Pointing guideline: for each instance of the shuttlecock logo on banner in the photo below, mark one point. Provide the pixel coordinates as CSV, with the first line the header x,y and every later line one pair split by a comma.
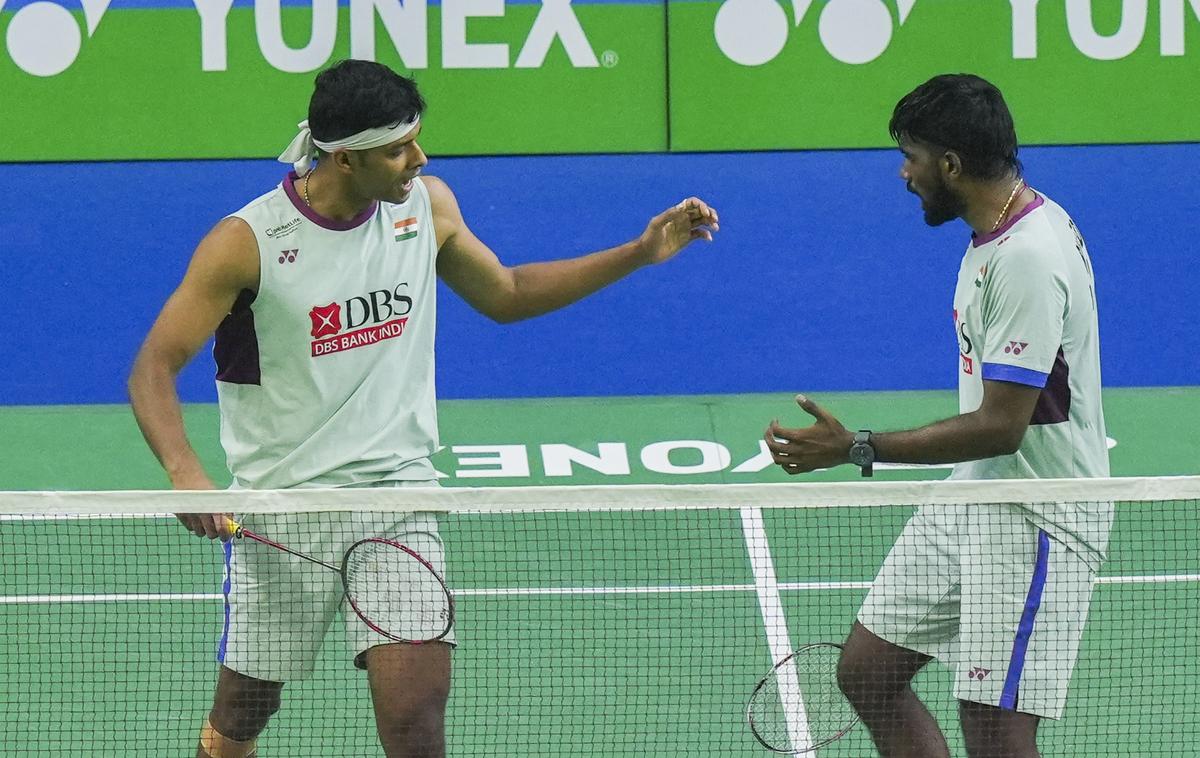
x,y
44,38
754,32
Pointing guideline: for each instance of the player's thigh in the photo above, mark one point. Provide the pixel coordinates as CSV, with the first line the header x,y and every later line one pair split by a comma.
x,y
419,532
872,666
914,600
409,679
279,607
1025,599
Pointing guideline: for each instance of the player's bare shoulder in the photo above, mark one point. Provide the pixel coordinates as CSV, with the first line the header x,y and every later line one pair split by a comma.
x,y
441,197
228,255
447,217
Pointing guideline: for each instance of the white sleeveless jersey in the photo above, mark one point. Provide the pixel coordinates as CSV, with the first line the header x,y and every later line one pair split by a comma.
x,y
325,375
1025,312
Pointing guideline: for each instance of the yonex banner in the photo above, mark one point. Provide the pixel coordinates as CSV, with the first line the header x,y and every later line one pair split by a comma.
x,y
130,79
760,74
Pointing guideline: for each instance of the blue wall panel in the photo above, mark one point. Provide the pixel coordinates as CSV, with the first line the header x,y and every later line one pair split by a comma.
x,y
824,276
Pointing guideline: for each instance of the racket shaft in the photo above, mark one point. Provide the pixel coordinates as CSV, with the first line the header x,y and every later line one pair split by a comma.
x,y
241,531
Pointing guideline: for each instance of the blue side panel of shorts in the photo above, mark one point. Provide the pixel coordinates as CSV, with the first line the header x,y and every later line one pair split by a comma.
x,y
225,590
1033,601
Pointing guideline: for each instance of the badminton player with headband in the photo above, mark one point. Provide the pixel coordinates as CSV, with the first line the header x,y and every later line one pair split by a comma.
x,y
317,389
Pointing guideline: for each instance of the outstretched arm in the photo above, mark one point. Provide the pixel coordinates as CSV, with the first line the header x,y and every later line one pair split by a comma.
x,y
506,294
996,428
225,263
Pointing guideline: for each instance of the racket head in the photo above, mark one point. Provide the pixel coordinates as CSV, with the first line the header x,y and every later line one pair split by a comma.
x,y
797,707
396,591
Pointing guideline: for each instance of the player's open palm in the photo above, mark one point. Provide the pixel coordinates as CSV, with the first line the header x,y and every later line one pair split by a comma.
x,y
672,230
823,445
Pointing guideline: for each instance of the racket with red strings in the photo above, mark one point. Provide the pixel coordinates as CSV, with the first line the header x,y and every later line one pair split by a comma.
x,y
390,586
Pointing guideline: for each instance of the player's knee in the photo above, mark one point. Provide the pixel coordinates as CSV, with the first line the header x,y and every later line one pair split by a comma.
x,y
865,680
215,744
416,726
241,724
852,676
991,732
241,712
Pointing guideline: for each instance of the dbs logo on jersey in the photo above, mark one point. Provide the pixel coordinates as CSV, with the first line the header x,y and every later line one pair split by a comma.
x,y
326,319
370,318
964,344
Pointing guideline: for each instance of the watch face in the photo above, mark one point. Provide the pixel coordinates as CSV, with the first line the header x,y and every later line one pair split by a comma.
x,y
856,455
861,454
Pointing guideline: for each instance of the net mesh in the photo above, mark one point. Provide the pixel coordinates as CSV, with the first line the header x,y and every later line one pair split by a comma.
x,y
589,621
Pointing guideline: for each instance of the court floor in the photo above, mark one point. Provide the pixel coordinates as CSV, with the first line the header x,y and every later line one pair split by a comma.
x,y
580,633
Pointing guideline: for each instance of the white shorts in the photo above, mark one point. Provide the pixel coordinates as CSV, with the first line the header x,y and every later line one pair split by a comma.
x,y
990,595
278,608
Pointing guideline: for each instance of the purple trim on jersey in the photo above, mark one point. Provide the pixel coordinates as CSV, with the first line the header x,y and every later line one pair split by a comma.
x,y
1002,372
325,223
1038,202
236,347
1033,601
1054,404
225,587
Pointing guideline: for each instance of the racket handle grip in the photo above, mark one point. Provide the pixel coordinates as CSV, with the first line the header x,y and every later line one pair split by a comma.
x,y
234,527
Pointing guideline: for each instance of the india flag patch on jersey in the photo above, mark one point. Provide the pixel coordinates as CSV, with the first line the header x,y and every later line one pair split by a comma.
x,y
406,229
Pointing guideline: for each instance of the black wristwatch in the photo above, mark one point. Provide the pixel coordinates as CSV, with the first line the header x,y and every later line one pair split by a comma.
x,y
862,452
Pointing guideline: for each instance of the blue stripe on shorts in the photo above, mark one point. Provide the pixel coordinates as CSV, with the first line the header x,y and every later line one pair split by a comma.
x,y
225,590
1033,601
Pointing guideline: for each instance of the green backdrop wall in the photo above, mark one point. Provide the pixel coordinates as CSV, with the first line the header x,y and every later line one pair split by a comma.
x,y
154,79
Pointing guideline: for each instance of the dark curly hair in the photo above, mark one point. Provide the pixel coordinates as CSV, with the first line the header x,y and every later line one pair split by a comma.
x,y
963,113
354,95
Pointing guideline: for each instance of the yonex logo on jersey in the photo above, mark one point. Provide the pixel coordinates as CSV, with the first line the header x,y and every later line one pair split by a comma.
x,y
1015,348
406,229
381,314
978,673
288,256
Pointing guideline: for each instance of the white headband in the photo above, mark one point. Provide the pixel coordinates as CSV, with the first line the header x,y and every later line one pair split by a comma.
x,y
302,149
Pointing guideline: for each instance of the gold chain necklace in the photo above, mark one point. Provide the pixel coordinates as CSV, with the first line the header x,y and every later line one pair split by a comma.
x,y
1020,183
309,204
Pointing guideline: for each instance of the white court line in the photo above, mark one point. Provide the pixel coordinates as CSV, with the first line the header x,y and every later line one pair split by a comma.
x,y
779,641
81,516
113,598
1149,579
666,589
